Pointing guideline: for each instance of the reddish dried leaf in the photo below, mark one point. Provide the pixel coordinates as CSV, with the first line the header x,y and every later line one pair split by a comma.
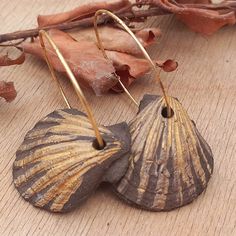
x,y
88,63
81,12
168,65
7,91
200,15
5,60
137,66
129,67
84,58
115,39
147,36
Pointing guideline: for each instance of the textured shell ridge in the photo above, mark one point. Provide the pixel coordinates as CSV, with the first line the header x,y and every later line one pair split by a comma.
x,y
57,167
170,162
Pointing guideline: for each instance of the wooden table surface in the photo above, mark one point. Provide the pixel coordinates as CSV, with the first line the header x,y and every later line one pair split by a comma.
x,y
205,83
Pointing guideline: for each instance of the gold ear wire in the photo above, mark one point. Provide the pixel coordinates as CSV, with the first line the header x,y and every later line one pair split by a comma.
x,y
43,34
126,28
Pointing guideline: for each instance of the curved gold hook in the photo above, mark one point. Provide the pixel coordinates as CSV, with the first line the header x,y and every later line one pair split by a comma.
x,y
73,80
126,28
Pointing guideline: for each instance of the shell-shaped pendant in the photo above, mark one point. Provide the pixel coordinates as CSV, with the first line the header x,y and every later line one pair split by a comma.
x,y
59,164
170,162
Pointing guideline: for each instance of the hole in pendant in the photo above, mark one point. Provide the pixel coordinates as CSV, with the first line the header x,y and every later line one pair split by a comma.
x,y
97,146
165,113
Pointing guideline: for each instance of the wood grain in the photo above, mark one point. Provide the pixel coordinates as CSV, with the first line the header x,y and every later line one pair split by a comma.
x,y
205,83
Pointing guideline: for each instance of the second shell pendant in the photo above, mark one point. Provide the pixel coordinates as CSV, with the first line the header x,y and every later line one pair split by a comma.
x,y
170,164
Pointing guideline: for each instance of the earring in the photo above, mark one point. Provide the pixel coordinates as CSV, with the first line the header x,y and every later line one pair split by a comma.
x,y
61,162
170,162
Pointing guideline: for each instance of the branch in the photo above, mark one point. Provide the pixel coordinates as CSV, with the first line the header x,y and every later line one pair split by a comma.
x,y
133,15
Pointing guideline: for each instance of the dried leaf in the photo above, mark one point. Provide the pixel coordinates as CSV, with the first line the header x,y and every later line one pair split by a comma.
x,y
203,16
168,65
129,67
84,58
115,39
81,12
137,66
7,91
88,63
5,60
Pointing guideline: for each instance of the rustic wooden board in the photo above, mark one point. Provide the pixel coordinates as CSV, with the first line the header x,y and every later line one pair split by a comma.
x,y
206,85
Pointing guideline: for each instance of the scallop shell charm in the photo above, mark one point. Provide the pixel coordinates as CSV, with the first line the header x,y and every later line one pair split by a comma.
x,y
58,165
170,162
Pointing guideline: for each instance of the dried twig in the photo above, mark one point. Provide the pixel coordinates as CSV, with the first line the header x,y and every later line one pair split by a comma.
x,y
132,15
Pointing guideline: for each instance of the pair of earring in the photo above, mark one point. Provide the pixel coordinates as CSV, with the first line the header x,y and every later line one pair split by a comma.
x,y
158,162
